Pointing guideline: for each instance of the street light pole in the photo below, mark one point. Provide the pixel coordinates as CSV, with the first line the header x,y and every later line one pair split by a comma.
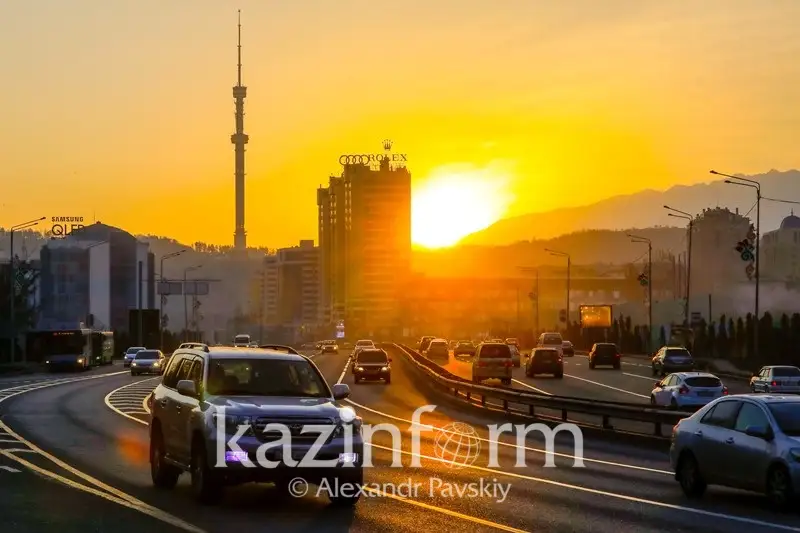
x,y
569,275
12,289
163,297
635,238
185,305
686,216
753,184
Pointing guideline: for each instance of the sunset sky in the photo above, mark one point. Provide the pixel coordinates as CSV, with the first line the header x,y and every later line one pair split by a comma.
x,y
122,109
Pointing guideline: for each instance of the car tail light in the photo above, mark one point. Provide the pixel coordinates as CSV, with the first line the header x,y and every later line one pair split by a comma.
x,y
724,391
683,390
508,363
616,355
774,383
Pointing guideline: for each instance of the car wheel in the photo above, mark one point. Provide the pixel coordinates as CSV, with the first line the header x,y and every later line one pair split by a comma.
x,y
690,478
164,476
388,380
205,487
591,365
779,488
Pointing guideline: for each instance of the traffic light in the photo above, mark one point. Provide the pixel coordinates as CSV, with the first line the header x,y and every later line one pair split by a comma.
x,y
643,281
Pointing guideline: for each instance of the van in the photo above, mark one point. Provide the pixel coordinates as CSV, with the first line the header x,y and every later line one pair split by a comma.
x,y
492,360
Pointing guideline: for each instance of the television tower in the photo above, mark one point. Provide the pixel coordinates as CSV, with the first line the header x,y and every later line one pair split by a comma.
x,y
239,140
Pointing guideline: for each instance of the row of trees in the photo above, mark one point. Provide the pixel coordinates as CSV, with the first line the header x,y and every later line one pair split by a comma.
x,y
728,338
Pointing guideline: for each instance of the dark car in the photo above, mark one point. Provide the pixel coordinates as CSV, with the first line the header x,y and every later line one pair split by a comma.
x,y
671,359
604,353
545,361
568,349
148,362
372,364
464,348
207,399
424,342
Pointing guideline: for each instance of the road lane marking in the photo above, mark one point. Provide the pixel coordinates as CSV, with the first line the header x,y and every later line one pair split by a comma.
x,y
108,399
607,386
126,501
10,469
442,510
638,376
598,492
540,391
515,446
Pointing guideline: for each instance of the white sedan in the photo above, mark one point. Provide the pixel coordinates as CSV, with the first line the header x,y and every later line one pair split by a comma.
x,y
687,390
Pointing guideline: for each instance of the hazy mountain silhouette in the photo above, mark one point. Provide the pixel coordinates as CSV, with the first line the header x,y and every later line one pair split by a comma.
x,y
645,209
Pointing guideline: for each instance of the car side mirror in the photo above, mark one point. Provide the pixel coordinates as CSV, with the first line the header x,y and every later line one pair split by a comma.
x,y
187,388
341,391
657,385
761,432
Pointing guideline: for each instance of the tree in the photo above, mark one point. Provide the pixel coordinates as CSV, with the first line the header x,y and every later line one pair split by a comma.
x,y
25,311
723,343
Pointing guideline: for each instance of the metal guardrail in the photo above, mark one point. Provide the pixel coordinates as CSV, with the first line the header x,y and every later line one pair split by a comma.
x,y
605,410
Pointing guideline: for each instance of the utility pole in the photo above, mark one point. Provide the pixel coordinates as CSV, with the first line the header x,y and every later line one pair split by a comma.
x,y
686,216
186,304
635,238
569,275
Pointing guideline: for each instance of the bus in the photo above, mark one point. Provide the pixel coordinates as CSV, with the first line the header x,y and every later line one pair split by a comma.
x,y
78,349
241,340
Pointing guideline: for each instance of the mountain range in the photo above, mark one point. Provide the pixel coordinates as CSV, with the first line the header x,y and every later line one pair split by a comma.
x,y
645,209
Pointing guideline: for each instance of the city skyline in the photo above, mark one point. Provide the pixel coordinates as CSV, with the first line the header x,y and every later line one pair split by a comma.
x,y
700,89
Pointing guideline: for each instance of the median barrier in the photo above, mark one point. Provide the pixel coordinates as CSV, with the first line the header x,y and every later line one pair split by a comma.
x,y
525,403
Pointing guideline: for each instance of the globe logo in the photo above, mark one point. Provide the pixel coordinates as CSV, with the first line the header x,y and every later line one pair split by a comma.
x,y
457,444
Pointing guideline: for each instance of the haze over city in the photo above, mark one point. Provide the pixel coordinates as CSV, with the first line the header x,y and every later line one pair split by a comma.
x,y
122,112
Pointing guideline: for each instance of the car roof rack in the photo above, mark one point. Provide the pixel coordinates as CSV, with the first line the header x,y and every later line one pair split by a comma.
x,y
279,348
197,346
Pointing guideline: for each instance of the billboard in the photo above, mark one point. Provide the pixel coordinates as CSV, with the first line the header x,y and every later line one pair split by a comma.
x,y
596,316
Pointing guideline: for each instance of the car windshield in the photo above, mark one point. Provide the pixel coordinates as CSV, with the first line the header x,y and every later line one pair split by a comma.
x,y
786,371
552,339
495,351
265,377
438,344
703,381
678,353
787,415
147,354
372,356
134,350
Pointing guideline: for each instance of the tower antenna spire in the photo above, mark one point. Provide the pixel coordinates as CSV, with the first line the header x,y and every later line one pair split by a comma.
x,y
239,48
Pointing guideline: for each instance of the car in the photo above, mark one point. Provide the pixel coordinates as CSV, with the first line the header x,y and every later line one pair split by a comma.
x,y
193,346
567,349
551,340
452,345
464,348
511,341
672,359
148,362
330,347
372,364
776,379
744,441
604,353
129,354
424,342
687,390
361,345
438,351
545,361
205,398
492,360
516,356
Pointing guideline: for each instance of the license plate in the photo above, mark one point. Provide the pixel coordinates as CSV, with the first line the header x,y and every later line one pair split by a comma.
x,y
705,393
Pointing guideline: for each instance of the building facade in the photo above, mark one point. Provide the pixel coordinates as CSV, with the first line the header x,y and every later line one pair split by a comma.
x,y
780,251
716,265
364,219
92,277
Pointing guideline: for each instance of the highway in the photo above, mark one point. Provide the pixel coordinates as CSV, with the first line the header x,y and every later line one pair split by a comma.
x,y
93,432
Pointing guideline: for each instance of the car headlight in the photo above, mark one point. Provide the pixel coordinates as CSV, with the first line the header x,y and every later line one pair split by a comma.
x,y
156,364
80,361
232,423
359,369
385,369
132,364
795,453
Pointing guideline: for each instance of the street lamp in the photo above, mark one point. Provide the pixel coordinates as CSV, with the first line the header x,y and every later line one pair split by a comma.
x,y
569,268
163,297
185,307
686,216
645,240
12,285
753,184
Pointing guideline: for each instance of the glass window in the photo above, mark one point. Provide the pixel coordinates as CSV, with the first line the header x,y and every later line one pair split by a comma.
x,y
785,371
372,356
170,378
265,377
147,354
750,415
495,351
183,371
722,414
196,373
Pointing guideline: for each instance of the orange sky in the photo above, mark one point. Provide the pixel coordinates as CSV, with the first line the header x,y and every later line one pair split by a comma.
x,y
123,110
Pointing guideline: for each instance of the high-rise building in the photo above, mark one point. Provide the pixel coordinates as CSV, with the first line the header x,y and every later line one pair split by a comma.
x,y
716,265
780,251
239,140
365,242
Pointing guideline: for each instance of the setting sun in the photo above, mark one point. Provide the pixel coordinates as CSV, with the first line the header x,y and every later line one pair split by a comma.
x,y
456,201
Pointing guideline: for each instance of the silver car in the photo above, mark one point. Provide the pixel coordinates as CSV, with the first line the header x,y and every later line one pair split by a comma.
x,y
130,354
777,380
747,441
492,360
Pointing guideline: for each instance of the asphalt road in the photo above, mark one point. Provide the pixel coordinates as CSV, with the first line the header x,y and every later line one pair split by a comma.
x,y
70,428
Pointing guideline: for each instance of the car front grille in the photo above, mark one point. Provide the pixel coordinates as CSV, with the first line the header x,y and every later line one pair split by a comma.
x,y
295,427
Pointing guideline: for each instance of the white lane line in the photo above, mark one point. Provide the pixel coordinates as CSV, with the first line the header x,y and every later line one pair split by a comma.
x,y
607,386
108,399
638,376
614,495
344,371
10,469
540,391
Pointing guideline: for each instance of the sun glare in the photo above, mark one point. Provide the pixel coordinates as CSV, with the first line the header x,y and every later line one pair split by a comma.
x,y
457,201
